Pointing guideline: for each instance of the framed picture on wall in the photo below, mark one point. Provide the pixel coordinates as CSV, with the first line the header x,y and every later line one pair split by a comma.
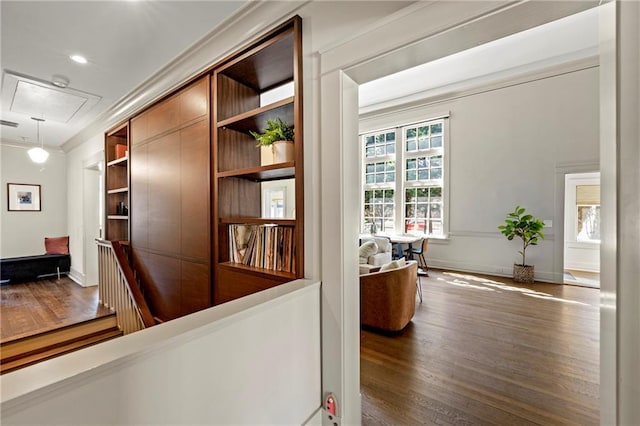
x,y
23,197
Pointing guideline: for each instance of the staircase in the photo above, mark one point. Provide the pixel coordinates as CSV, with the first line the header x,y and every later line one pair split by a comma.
x,y
24,351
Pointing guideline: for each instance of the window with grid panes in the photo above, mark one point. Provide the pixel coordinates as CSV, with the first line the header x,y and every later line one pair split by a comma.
x,y
415,194
379,180
423,178
379,209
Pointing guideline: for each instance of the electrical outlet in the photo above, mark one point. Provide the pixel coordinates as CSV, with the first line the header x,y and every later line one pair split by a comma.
x,y
548,223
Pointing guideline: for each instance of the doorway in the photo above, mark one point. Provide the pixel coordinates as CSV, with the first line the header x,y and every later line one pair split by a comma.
x,y
342,80
582,229
93,209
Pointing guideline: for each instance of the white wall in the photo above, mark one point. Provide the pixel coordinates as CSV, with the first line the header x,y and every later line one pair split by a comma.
x,y
75,189
505,147
251,361
23,233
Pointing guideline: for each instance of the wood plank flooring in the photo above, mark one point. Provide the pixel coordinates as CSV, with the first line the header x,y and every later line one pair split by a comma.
x,y
39,306
485,350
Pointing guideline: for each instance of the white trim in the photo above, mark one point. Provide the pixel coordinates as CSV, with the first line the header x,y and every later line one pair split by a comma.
x,y
77,276
483,84
398,118
561,170
625,254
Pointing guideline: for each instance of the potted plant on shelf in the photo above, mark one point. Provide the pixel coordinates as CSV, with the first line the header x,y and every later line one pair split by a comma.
x,y
527,228
279,136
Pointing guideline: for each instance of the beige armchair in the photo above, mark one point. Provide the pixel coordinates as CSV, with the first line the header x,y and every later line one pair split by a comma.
x,y
388,298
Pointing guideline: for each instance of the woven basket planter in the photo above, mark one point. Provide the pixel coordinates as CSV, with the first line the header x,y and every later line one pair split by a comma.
x,y
523,274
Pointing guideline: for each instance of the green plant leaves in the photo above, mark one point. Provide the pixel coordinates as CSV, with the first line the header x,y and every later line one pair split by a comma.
x,y
277,130
526,227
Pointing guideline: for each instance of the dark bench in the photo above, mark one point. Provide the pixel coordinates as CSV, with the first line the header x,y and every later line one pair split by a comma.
x,y
29,268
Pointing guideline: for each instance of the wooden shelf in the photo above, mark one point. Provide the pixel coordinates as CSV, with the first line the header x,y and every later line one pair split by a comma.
x,y
256,119
116,182
263,173
118,162
239,84
118,190
256,220
265,66
252,270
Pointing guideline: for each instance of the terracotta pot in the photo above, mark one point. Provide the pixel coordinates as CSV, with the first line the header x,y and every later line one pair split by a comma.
x,y
523,273
283,152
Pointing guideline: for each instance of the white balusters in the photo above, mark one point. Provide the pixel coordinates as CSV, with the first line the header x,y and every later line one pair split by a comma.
x,y
113,291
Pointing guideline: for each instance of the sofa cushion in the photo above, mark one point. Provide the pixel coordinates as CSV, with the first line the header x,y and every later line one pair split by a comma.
x,y
367,249
384,245
394,264
56,245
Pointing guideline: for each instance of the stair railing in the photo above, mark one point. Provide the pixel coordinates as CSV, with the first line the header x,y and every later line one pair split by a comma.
x,y
118,289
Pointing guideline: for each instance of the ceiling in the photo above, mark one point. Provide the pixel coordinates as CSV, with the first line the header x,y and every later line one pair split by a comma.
x,y
569,39
125,42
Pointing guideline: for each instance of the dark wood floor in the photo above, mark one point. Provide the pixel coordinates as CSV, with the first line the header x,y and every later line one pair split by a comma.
x,y
35,307
485,350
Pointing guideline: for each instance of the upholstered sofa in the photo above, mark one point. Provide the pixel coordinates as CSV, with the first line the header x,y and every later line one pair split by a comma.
x,y
388,297
377,257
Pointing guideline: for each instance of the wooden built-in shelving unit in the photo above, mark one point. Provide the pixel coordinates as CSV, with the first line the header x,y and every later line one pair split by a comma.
x,y
238,83
194,172
117,183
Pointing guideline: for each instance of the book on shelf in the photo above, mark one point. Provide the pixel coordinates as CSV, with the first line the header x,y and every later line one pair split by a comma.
x,y
266,246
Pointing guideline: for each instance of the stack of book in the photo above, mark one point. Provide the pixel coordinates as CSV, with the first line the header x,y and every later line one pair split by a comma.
x,y
263,246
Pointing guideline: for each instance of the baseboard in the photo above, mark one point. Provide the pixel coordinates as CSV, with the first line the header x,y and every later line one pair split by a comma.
x,y
582,266
499,271
77,276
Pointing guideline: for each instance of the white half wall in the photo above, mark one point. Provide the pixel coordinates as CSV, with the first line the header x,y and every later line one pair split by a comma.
x,y
23,233
251,361
505,146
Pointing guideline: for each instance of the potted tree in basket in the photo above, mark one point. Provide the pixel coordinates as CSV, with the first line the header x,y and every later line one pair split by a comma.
x,y
527,228
279,136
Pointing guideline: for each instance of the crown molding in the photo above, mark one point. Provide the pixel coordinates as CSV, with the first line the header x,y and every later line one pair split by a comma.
x,y
495,81
254,19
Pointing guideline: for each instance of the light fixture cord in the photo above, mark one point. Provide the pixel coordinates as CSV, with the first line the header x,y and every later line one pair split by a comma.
x,y
41,141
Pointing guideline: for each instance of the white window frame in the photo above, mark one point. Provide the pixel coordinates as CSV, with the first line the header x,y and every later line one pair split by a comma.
x,y
378,186
398,122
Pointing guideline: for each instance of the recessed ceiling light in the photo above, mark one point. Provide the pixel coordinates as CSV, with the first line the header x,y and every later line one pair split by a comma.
x,y
79,59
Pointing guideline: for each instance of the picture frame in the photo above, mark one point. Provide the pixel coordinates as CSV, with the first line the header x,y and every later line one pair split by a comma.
x,y
23,197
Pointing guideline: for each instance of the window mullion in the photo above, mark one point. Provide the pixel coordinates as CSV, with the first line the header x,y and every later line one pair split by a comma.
x,y
398,197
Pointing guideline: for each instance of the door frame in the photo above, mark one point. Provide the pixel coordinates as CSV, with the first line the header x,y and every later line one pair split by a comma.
x,y
92,162
367,57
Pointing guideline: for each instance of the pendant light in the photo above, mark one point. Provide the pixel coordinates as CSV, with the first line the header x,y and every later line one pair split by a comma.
x,y
38,154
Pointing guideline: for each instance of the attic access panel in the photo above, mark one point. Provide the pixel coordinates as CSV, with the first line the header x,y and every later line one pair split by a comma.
x,y
29,96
